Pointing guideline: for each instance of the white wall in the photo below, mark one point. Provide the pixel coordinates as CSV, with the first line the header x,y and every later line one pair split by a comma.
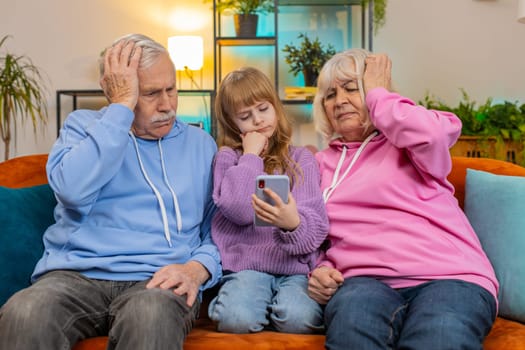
x,y
441,46
64,38
436,45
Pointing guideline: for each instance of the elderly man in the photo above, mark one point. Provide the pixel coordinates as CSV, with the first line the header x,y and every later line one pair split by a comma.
x,y
130,251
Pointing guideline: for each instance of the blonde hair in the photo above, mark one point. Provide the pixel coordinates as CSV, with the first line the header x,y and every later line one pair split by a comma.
x,y
245,87
345,65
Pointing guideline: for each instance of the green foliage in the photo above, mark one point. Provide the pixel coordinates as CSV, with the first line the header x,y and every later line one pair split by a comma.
x,y
245,6
506,119
379,18
22,94
500,123
309,55
267,6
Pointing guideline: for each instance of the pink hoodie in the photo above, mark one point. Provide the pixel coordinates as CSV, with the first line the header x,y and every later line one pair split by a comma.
x,y
394,215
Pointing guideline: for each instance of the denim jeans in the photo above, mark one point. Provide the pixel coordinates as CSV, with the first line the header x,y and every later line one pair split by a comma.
x,y
366,314
250,301
63,307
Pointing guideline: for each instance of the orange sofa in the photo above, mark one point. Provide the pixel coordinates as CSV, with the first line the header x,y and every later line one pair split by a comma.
x,y
28,171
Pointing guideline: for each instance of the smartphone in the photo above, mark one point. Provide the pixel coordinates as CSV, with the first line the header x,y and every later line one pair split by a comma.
x,y
280,184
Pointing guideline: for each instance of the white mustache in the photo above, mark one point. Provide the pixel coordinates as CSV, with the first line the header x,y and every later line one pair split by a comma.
x,y
162,117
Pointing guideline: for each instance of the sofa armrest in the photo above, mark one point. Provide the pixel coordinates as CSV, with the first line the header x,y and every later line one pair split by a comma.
x,y
24,171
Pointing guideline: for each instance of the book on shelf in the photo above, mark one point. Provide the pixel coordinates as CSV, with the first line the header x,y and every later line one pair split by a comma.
x,y
306,93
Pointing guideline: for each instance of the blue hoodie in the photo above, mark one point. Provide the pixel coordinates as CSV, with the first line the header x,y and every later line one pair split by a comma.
x,y
129,206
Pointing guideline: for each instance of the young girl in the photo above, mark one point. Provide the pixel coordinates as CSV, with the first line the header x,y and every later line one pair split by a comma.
x,y
265,267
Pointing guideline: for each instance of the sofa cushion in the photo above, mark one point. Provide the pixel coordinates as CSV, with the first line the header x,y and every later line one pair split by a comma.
x,y
25,213
494,205
459,171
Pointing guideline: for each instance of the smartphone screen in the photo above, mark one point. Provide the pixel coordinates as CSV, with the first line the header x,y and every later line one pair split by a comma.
x,y
280,184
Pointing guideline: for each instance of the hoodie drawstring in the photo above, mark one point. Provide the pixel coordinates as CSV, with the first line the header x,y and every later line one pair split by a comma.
x,y
336,180
173,195
164,215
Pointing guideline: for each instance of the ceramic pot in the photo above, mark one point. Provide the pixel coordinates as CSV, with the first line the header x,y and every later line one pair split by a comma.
x,y
310,77
245,25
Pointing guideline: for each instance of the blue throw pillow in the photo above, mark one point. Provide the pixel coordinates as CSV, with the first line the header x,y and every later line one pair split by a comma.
x,y
495,206
25,213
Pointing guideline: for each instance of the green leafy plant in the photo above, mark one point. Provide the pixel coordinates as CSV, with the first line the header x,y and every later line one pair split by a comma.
x,y
245,14
22,95
267,6
244,7
308,57
379,18
500,123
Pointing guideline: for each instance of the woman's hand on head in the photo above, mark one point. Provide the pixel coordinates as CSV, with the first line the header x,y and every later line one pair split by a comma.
x,y
283,215
254,142
323,283
378,72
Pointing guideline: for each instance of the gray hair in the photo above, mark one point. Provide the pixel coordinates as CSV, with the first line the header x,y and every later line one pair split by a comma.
x,y
345,65
151,50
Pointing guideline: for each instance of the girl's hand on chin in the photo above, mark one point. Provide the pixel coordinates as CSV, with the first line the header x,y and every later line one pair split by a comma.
x,y
254,142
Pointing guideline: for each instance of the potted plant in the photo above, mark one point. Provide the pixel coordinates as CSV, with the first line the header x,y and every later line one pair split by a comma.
x,y
22,95
245,14
493,130
308,57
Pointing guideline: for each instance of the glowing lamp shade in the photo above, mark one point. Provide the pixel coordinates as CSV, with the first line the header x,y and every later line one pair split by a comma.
x,y
186,51
521,11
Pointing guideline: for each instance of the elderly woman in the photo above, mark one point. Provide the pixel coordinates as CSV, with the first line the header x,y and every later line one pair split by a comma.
x,y
404,268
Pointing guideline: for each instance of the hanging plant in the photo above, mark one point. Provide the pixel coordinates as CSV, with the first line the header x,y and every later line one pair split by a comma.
x,y
379,18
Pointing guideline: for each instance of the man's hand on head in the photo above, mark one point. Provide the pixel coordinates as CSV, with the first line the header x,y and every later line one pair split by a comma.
x,y
120,81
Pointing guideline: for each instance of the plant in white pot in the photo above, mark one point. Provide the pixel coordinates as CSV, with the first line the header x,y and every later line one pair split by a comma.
x,y
245,14
22,95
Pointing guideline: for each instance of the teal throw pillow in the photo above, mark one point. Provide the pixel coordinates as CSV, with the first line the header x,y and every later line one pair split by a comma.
x,y
25,213
495,206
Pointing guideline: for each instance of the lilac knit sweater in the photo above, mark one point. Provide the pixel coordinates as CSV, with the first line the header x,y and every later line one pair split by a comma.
x,y
242,245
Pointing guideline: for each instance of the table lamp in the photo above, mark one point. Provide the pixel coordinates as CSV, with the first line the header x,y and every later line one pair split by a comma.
x,y
187,54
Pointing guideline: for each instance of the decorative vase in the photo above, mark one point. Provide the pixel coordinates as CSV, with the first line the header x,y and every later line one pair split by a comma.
x,y
245,25
310,77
